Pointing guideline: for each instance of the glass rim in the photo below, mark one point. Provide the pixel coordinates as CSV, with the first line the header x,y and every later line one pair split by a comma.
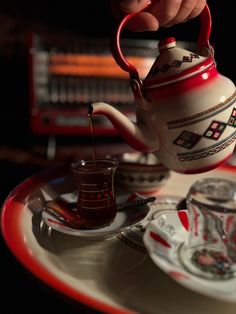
x,y
196,185
214,203
79,164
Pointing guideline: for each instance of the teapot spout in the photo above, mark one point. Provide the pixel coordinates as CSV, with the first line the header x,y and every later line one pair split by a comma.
x,y
137,135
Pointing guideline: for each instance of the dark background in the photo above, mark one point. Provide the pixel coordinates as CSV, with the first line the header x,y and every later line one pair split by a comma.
x,y
77,18
90,19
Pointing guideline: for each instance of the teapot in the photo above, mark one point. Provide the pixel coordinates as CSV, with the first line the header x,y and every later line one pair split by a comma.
x,y
186,110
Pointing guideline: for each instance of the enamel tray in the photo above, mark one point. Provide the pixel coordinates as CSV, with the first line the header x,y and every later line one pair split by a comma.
x,y
115,276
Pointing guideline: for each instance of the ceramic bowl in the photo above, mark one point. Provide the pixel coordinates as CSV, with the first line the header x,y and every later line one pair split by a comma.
x,y
142,173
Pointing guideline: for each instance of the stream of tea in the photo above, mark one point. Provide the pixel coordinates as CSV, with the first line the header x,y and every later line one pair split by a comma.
x,y
90,118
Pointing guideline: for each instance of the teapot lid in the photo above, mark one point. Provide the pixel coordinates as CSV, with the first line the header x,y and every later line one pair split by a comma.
x,y
174,64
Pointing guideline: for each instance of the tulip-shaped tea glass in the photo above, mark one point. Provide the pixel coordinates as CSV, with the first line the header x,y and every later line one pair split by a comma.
x,y
210,251
96,204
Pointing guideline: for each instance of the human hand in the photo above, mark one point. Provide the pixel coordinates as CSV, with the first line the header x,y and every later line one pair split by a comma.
x,y
161,13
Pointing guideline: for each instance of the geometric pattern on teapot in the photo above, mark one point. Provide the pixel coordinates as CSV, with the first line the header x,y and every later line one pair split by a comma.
x,y
208,151
189,139
175,64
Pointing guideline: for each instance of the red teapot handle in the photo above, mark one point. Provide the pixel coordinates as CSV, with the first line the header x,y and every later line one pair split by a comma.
x,y
203,39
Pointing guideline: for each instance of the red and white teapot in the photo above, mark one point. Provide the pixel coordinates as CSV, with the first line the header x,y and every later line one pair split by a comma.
x,y
186,112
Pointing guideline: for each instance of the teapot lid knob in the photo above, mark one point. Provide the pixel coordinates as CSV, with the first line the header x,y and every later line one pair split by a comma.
x,y
167,43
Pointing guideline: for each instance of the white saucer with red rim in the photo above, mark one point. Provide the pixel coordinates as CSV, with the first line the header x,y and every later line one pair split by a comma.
x,y
163,237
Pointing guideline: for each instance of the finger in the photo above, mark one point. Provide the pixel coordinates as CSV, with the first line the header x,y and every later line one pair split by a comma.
x,y
130,6
188,10
120,8
200,5
165,10
143,21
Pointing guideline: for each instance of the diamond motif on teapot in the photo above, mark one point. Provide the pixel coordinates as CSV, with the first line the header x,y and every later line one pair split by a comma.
x,y
175,64
187,139
215,130
232,119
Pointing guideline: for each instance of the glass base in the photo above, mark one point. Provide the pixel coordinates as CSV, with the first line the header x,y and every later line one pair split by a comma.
x,y
206,262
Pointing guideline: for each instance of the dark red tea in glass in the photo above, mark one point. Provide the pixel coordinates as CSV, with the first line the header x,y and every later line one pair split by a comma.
x,y
96,204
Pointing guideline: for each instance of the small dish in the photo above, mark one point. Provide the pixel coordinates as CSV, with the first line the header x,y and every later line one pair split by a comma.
x,y
124,219
142,173
163,237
